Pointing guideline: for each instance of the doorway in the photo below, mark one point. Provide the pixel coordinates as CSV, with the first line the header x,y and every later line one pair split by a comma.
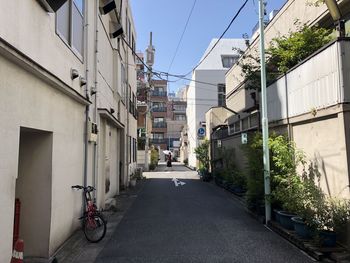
x,y
33,189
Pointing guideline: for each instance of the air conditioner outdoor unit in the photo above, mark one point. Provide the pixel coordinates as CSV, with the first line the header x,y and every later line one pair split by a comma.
x,y
51,6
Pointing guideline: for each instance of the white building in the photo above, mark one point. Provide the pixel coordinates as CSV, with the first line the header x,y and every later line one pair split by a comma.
x,y
207,88
60,74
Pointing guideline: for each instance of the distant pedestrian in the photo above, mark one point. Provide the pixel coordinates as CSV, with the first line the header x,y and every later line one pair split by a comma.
x,y
168,163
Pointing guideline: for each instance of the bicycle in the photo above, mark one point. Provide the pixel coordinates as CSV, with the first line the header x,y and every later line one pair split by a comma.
x,y
94,225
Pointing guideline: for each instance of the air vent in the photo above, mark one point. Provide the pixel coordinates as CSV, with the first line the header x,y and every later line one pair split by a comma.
x,y
51,6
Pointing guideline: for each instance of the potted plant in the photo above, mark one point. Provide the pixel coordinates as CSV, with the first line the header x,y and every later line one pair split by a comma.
x,y
332,215
132,180
288,194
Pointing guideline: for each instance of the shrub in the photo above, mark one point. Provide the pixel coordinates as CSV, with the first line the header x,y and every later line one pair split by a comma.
x,y
154,158
202,154
285,182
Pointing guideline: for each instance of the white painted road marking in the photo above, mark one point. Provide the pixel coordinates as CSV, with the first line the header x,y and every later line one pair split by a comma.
x,y
178,182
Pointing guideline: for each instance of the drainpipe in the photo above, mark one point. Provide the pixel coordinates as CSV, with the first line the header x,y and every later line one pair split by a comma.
x,y
127,116
87,109
95,173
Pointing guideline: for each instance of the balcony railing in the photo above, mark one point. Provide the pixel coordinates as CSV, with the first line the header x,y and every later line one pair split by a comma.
x,y
158,141
159,125
158,93
311,85
159,109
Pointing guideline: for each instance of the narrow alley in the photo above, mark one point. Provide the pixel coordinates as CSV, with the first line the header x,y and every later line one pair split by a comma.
x,y
191,222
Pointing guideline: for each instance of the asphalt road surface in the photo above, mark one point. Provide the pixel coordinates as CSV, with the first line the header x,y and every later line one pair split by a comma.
x,y
192,222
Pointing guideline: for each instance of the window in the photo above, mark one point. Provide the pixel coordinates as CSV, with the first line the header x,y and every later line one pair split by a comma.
x,y
70,24
129,31
228,61
157,135
135,150
254,120
180,117
130,148
180,107
221,95
123,81
158,119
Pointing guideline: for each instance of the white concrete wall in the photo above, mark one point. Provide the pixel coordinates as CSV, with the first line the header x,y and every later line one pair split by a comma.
x,y
34,34
26,101
200,98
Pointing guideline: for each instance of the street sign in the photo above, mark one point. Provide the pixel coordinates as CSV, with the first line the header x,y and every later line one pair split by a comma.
x,y
244,138
201,132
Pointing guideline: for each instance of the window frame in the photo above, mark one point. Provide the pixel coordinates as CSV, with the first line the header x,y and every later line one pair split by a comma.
x,y
69,42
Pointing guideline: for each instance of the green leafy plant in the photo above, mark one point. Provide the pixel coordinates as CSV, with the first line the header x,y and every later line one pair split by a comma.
x,y
154,158
287,51
202,154
286,184
332,214
283,53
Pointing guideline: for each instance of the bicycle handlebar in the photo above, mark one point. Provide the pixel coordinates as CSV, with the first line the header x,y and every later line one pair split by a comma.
x,y
86,189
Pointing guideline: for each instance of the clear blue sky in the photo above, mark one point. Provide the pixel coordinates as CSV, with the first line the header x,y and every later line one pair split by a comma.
x,y
167,19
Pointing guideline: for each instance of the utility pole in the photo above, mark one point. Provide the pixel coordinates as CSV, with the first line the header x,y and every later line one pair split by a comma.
x,y
149,61
264,119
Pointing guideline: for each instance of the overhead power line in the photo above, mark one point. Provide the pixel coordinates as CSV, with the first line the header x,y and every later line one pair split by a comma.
x,y
183,32
221,36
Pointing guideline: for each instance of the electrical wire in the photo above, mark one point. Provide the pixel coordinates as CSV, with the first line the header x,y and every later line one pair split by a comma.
x,y
221,36
158,73
183,32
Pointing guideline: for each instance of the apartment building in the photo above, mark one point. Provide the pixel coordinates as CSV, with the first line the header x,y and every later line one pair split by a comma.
x,y
68,99
176,120
158,103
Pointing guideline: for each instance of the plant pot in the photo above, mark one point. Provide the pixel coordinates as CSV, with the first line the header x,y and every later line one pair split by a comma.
x,y
238,190
286,219
301,228
276,215
133,182
327,238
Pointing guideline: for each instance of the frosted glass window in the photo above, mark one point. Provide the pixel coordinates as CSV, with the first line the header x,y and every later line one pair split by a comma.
x,y
63,21
78,26
70,24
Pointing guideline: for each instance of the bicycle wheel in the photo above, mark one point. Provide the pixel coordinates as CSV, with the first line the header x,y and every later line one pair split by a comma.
x,y
94,228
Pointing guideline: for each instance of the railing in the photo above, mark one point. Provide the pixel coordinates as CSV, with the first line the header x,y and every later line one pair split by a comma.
x,y
183,109
159,109
159,124
158,141
158,93
220,134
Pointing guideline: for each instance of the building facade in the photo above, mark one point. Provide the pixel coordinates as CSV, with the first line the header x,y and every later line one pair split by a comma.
x,y
309,103
176,120
158,103
67,94
207,88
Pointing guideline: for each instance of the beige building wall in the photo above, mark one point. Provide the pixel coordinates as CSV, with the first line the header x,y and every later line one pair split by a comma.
x,y
324,144
37,92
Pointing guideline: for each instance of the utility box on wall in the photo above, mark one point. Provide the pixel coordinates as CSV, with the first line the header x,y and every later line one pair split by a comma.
x,y
92,131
